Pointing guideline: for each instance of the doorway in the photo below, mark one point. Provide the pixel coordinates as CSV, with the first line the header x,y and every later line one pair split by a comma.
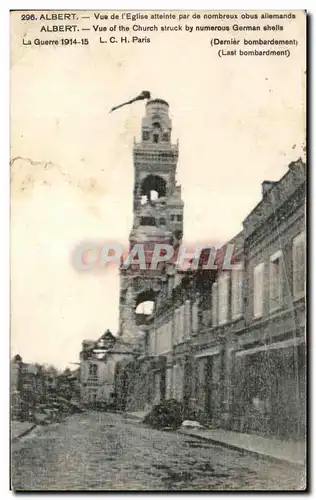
x,y
213,375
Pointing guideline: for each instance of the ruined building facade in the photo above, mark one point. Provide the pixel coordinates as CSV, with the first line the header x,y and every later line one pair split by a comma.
x,y
228,344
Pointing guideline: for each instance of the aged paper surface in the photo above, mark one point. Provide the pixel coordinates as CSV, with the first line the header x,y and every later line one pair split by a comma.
x,y
158,191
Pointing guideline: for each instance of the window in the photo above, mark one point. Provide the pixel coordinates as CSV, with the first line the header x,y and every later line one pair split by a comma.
x,y
237,291
179,217
148,221
258,290
145,307
145,135
155,138
276,281
299,252
223,290
214,303
153,183
93,370
173,217
165,136
162,221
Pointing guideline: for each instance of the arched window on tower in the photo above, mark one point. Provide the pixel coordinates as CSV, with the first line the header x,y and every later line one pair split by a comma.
x,y
144,306
154,187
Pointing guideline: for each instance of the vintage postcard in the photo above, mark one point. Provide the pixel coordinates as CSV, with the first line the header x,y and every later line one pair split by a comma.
x,y
158,250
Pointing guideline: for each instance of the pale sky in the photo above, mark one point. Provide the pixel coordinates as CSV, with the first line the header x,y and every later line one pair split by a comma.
x,y
239,121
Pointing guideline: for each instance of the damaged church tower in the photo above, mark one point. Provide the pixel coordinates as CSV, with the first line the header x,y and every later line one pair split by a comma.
x,y
157,216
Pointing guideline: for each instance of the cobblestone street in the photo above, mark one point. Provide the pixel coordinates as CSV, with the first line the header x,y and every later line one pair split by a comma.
x,y
100,451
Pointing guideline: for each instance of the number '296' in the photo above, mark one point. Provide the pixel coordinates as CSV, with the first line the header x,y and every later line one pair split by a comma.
x,y
28,17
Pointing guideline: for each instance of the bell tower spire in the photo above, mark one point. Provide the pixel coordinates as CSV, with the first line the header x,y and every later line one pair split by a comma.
x,y
157,208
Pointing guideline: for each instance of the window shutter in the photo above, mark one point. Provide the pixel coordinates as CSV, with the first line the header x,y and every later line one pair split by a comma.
x,y
181,326
214,303
177,332
237,290
276,280
187,306
170,325
299,278
152,341
258,290
195,317
158,340
223,298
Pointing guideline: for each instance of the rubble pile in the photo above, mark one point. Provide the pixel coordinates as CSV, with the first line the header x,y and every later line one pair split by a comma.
x,y
166,415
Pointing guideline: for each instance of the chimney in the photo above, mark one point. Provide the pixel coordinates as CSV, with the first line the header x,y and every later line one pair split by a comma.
x,y
266,186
